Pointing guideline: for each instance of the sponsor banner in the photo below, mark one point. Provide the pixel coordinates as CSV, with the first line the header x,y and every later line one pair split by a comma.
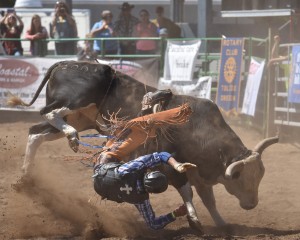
x,y
229,74
180,58
200,88
23,76
256,69
144,70
294,86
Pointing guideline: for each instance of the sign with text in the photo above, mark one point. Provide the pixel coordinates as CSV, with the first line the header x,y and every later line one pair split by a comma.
x,y
200,88
22,78
180,59
256,69
294,86
229,74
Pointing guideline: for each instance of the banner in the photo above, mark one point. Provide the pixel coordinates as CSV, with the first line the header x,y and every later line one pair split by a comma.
x,y
229,74
22,77
200,88
145,70
180,58
294,86
256,69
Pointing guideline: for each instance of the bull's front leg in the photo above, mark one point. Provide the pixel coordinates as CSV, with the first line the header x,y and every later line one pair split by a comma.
x,y
55,118
186,193
207,196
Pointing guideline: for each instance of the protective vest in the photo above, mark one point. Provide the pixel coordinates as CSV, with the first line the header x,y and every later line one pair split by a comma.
x,y
110,185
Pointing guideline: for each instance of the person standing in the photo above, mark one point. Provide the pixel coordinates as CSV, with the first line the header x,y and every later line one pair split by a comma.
x,y
161,22
63,26
145,28
12,27
35,34
104,29
124,26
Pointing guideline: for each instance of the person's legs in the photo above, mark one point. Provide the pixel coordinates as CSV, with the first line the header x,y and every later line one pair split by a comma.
x,y
59,49
148,214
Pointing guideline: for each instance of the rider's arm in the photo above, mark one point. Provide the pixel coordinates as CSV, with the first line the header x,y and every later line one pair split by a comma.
x,y
144,162
151,161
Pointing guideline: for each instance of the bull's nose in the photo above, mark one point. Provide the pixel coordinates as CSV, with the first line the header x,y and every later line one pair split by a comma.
x,y
248,206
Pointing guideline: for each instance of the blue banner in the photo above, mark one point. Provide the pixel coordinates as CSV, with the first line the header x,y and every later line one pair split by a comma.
x,y
230,71
294,86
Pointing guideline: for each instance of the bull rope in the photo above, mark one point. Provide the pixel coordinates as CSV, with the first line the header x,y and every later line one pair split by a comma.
x,y
91,154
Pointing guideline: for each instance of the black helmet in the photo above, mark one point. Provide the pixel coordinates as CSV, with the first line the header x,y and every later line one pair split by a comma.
x,y
155,182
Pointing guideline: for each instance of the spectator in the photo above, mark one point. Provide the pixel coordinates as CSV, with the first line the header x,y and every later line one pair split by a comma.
x,y
11,29
276,58
174,30
145,28
124,26
35,33
86,53
2,51
63,26
104,29
163,32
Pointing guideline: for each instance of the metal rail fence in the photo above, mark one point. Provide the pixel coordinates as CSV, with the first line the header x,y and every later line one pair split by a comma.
x,y
208,64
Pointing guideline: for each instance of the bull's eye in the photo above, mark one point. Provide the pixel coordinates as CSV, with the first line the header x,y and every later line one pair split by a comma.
x,y
236,175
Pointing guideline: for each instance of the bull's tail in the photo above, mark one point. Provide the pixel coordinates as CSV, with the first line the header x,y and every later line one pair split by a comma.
x,y
16,101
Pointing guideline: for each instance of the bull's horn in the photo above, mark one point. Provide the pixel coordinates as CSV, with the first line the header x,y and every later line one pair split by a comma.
x,y
262,145
239,165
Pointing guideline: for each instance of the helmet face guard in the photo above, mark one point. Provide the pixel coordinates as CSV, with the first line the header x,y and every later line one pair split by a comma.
x,y
155,182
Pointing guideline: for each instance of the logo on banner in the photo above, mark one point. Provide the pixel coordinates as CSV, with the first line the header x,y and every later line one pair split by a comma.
x,y
230,69
229,74
17,73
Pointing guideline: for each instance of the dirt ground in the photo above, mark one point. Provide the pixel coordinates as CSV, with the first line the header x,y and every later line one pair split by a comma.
x,y
61,203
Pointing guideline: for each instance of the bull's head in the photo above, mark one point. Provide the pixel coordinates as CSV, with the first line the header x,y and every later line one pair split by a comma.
x,y
242,178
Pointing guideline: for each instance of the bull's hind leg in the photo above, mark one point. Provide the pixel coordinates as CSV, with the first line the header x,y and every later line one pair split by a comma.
x,y
55,118
37,135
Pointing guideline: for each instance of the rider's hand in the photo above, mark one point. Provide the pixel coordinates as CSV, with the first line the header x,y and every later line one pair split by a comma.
x,y
180,211
182,167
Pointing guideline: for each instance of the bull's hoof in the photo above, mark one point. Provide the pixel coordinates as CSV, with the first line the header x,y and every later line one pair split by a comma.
x,y
196,225
92,233
23,183
74,144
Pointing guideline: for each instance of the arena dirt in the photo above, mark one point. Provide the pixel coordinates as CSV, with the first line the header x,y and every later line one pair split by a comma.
x,y
58,201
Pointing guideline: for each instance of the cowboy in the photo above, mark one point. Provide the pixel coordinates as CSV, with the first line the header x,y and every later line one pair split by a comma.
x,y
124,26
131,182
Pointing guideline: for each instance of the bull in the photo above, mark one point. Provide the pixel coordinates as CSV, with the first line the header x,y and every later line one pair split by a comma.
x,y
79,93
